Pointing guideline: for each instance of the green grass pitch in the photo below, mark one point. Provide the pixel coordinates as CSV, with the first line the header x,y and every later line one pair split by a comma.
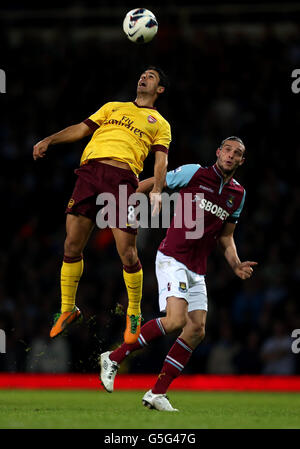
x,y
82,409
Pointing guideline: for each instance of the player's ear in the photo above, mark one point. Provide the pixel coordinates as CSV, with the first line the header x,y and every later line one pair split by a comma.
x,y
218,152
160,89
242,161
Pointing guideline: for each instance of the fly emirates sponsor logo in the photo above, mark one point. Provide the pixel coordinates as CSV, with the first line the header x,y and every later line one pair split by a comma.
x,y
214,209
127,123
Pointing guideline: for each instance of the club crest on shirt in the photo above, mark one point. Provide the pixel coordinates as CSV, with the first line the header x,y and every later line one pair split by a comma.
x,y
229,201
182,287
151,119
71,203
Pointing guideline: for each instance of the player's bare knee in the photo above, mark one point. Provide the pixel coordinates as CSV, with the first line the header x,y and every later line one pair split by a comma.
x,y
129,256
174,323
199,332
72,248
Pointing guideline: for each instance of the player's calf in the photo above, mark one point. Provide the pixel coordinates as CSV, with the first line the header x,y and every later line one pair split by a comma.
x,y
133,278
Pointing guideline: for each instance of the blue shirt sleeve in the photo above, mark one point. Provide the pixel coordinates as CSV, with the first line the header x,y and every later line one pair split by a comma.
x,y
237,213
181,176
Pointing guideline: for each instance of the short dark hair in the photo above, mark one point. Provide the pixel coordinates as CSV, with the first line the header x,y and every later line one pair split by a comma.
x,y
235,138
163,79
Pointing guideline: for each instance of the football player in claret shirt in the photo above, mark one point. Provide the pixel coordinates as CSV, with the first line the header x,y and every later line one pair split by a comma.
x,y
123,134
181,266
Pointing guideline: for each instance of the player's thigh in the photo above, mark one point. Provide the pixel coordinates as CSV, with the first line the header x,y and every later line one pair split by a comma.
x,y
172,284
194,330
197,292
126,246
78,230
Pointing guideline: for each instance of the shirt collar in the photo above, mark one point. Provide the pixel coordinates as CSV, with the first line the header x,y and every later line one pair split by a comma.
x,y
220,175
147,107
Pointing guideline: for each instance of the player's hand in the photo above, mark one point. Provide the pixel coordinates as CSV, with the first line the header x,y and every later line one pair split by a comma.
x,y
244,270
39,149
155,201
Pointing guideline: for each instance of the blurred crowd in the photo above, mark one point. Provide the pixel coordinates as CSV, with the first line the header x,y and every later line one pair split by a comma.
x,y
221,84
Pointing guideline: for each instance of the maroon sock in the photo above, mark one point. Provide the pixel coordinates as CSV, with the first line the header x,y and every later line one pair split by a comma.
x,y
151,330
176,360
68,259
133,268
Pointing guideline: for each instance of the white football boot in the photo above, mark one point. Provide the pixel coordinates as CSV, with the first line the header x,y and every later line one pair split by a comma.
x,y
108,371
158,401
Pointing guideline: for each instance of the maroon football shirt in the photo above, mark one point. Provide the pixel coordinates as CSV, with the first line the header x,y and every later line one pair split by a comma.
x,y
221,202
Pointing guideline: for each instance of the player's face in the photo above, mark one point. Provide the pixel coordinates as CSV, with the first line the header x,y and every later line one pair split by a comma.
x,y
230,156
149,83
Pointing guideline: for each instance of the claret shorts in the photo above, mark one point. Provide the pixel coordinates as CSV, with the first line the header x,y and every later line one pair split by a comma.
x,y
96,178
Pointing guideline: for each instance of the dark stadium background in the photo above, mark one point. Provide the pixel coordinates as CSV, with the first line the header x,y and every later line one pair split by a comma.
x,y
230,70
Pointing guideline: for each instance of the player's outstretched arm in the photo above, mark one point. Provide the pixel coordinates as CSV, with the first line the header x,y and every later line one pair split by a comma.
x,y
160,171
156,183
146,185
226,243
70,134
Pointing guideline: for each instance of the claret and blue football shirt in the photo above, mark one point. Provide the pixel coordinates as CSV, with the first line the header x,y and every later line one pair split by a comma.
x,y
221,202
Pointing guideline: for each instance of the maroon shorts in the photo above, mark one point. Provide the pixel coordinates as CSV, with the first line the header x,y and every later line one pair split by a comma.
x,y
95,178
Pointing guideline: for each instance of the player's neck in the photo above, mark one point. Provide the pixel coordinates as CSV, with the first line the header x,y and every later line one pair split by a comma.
x,y
226,176
144,101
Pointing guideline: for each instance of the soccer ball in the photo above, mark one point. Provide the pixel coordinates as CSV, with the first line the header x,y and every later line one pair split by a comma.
x,y
140,25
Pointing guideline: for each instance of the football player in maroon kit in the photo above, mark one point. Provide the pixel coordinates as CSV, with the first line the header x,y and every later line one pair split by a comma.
x,y
181,266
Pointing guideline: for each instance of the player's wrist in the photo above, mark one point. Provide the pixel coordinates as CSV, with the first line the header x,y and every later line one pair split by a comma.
x,y
156,189
48,141
235,265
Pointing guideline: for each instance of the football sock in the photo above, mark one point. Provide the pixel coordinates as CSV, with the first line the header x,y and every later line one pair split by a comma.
x,y
176,360
133,278
70,275
150,331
